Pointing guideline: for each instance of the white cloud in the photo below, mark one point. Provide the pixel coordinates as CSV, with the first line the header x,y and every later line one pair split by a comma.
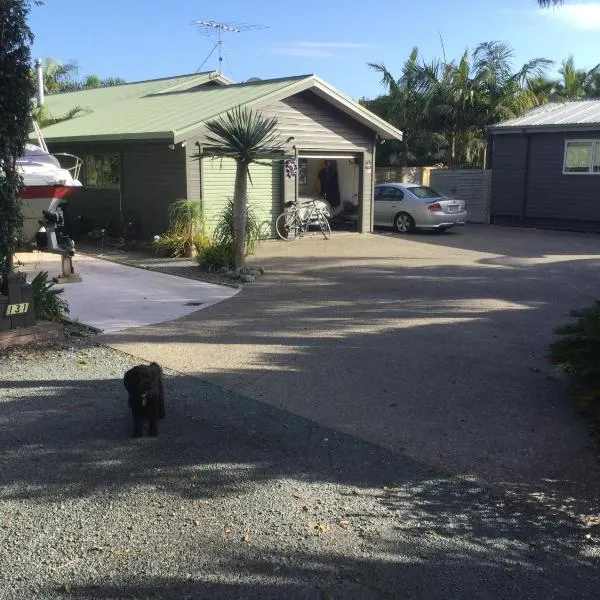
x,y
581,15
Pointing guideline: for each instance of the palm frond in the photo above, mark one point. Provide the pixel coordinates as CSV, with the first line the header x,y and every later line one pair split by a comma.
x,y
243,135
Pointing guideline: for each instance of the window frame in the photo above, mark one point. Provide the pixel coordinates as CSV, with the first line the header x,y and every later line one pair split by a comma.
x,y
595,142
104,157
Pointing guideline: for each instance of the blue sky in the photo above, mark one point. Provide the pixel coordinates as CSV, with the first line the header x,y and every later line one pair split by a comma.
x,y
146,39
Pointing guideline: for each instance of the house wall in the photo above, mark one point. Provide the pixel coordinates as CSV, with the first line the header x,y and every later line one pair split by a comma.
x,y
542,195
508,175
315,125
152,176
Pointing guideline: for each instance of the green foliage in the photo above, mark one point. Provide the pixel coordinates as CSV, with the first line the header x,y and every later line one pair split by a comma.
x,y
223,233
216,256
444,107
186,230
44,118
243,135
64,77
49,306
577,352
15,106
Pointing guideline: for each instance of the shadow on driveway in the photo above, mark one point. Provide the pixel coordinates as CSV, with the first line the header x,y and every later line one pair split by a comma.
x,y
409,526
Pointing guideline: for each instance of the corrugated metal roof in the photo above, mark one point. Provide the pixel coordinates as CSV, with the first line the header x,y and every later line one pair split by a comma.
x,y
154,109
556,114
60,104
170,108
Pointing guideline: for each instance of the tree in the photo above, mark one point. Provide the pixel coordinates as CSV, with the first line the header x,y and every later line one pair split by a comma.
x,y
547,3
64,77
576,83
404,104
246,137
59,77
15,107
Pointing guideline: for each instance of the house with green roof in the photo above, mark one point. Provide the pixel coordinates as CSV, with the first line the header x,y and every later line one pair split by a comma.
x,y
140,143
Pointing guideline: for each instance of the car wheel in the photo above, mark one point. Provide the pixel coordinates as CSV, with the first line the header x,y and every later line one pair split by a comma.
x,y
404,223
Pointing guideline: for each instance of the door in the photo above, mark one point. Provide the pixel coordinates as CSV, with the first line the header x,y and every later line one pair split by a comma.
x,y
265,188
388,201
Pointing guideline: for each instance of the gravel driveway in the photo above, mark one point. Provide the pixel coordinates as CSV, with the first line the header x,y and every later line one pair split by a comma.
x,y
238,498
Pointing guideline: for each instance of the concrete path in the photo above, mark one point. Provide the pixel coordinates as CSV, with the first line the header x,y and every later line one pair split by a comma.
x,y
112,296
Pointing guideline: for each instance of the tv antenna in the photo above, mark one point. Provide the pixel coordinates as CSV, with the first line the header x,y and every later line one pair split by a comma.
x,y
210,28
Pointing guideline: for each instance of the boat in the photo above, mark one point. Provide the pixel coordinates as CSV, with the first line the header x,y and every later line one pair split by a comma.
x,y
47,180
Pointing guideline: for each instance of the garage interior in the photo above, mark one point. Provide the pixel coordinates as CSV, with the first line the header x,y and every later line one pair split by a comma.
x,y
334,178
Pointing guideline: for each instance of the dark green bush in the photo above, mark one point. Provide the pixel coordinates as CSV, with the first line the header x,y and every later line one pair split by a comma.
x,y
216,256
49,306
577,353
224,232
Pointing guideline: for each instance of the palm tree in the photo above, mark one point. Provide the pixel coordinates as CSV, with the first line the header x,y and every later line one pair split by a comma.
x,y
546,3
404,104
246,137
576,83
59,77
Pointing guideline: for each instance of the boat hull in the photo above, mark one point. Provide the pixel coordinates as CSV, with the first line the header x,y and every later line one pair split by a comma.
x,y
39,198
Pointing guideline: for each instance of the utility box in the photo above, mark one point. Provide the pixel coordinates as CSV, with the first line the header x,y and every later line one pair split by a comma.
x,y
17,309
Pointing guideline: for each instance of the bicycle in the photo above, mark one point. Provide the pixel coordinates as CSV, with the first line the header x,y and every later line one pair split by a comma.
x,y
295,222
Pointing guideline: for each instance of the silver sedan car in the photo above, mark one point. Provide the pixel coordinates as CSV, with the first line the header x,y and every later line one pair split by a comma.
x,y
409,206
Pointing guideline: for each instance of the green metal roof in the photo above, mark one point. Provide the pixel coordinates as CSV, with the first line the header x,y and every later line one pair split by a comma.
x,y
160,109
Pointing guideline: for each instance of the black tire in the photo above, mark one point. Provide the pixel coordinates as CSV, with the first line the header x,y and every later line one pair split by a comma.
x,y
325,227
404,223
287,226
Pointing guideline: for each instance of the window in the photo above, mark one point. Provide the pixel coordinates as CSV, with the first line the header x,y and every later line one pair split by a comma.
x,y
102,170
582,157
424,193
389,194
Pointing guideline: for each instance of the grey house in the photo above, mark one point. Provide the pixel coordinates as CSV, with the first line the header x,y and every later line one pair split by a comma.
x,y
546,167
139,144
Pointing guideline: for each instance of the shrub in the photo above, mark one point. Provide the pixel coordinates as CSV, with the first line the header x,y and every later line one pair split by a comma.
x,y
49,306
186,224
577,353
216,256
224,231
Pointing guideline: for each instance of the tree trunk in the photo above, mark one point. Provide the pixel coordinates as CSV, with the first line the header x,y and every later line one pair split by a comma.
x,y
240,200
452,160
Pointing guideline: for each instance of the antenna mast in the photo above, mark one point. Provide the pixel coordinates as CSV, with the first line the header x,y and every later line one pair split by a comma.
x,y
209,28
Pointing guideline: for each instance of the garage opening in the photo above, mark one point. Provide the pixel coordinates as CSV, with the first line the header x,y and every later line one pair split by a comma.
x,y
333,179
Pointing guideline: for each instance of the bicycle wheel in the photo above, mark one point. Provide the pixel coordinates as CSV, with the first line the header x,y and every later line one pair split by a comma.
x,y
287,226
324,225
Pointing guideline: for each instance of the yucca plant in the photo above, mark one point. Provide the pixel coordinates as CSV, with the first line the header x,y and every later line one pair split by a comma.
x,y
49,306
246,137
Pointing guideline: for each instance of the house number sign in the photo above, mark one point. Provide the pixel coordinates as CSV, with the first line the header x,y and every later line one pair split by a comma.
x,y
17,309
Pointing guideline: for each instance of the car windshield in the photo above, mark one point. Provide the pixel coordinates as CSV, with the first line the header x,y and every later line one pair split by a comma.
x,y
424,193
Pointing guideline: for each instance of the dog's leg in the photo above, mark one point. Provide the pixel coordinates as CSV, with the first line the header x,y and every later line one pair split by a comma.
x,y
153,414
138,423
153,431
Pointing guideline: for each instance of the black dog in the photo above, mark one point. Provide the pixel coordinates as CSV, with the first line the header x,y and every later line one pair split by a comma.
x,y
146,396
